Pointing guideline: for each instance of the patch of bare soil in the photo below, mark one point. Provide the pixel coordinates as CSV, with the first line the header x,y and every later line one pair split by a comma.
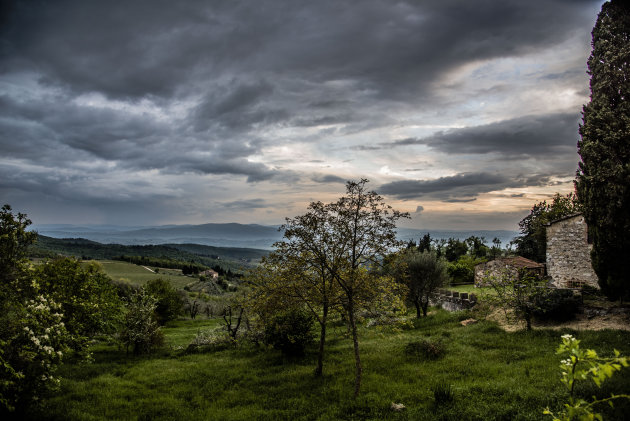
x,y
595,316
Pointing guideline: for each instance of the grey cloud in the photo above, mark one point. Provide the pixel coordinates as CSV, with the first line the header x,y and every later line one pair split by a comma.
x,y
532,136
328,178
472,199
66,135
246,204
460,187
162,48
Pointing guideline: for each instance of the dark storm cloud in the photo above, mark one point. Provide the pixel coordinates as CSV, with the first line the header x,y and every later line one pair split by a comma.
x,y
63,134
532,136
163,48
95,91
460,187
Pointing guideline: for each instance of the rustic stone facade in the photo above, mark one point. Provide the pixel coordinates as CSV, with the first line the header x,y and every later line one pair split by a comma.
x,y
569,253
514,266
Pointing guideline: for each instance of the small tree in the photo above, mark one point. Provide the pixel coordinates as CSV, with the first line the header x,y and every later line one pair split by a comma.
x,y
517,295
363,232
140,330
169,301
423,273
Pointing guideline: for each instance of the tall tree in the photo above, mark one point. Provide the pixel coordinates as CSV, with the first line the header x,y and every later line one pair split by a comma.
x,y
532,243
363,229
603,176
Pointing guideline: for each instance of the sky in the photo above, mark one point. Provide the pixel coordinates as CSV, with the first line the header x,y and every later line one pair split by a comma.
x,y
462,113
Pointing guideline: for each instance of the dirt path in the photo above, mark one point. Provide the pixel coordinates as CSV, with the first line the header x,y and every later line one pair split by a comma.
x,y
149,269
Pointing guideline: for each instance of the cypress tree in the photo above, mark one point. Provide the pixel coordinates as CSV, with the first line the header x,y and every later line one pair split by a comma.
x,y
603,176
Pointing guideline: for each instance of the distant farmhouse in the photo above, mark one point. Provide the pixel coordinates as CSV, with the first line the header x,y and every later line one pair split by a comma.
x,y
210,274
515,266
569,253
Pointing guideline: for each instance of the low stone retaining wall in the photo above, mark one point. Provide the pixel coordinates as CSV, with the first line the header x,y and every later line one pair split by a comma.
x,y
453,300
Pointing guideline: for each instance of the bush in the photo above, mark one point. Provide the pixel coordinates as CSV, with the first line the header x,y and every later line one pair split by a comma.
x,y
211,340
88,298
557,305
140,330
426,349
169,301
37,341
290,331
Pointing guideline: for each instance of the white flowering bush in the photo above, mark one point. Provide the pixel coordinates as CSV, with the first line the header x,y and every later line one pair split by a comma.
x,y
35,341
211,340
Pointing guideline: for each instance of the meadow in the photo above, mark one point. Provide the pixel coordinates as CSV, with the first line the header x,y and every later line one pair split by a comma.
x,y
492,374
139,275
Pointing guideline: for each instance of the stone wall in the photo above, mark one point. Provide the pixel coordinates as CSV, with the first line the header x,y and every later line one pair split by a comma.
x,y
569,254
453,300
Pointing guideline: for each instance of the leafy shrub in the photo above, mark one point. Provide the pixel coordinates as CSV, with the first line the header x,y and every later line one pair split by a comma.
x,y
169,301
140,330
37,341
211,340
426,349
443,394
290,331
557,305
88,298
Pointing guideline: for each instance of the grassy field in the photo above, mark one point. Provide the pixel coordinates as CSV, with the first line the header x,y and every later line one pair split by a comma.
x,y
494,375
138,275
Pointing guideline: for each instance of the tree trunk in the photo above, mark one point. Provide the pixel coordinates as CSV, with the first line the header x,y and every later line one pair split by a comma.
x,y
425,307
322,341
355,341
528,319
418,314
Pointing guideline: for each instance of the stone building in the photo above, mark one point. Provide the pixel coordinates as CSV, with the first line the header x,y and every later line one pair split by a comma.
x,y
569,253
513,265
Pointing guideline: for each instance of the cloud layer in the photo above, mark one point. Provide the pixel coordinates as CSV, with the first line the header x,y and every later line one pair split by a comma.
x,y
234,110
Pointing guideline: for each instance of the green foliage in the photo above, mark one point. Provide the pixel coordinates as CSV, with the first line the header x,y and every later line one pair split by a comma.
x,y
603,177
487,371
532,243
426,349
33,337
331,258
557,305
423,273
14,242
170,303
290,331
581,365
518,296
463,270
139,330
88,299
36,340
454,249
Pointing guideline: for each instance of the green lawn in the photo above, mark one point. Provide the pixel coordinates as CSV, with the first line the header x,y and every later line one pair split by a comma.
x,y
138,275
495,375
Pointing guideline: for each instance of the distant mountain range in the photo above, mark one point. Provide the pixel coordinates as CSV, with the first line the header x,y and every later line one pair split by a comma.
x,y
223,235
